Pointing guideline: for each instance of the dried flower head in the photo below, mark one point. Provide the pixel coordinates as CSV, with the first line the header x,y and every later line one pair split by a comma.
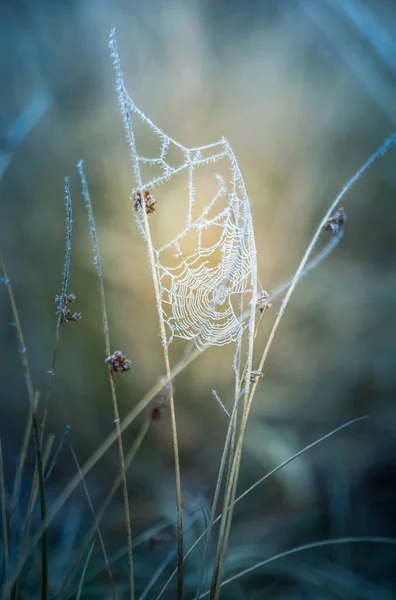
x,y
68,316
254,375
118,362
149,201
63,302
262,301
335,222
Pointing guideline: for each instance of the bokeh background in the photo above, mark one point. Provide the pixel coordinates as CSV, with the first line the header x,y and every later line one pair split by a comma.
x,y
305,91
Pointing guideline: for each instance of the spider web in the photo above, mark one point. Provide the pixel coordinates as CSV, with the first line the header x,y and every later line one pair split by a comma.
x,y
202,293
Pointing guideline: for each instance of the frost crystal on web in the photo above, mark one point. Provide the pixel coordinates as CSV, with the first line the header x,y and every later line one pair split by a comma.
x,y
209,282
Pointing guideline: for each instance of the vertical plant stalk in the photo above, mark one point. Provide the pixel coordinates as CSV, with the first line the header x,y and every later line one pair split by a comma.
x,y
154,274
18,327
36,488
227,453
33,496
65,281
22,458
98,265
231,432
40,472
229,500
179,505
242,386
36,435
45,455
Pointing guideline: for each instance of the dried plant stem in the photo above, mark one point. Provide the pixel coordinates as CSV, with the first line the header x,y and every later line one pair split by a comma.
x,y
21,340
65,281
227,453
36,434
242,385
179,506
97,261
136,167
22,458
35,483
38,483
225,522
40,473
29,386
32,500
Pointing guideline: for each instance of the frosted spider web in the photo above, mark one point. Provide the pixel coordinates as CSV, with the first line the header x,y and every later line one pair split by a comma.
x,y
204,293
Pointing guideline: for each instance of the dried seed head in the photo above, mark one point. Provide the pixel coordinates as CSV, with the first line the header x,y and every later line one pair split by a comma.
x,y
118,363
137,199
149,201
64,300
262,301
66,315
335,222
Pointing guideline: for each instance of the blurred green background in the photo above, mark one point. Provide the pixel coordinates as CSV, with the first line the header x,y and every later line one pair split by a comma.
x,y
305,92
